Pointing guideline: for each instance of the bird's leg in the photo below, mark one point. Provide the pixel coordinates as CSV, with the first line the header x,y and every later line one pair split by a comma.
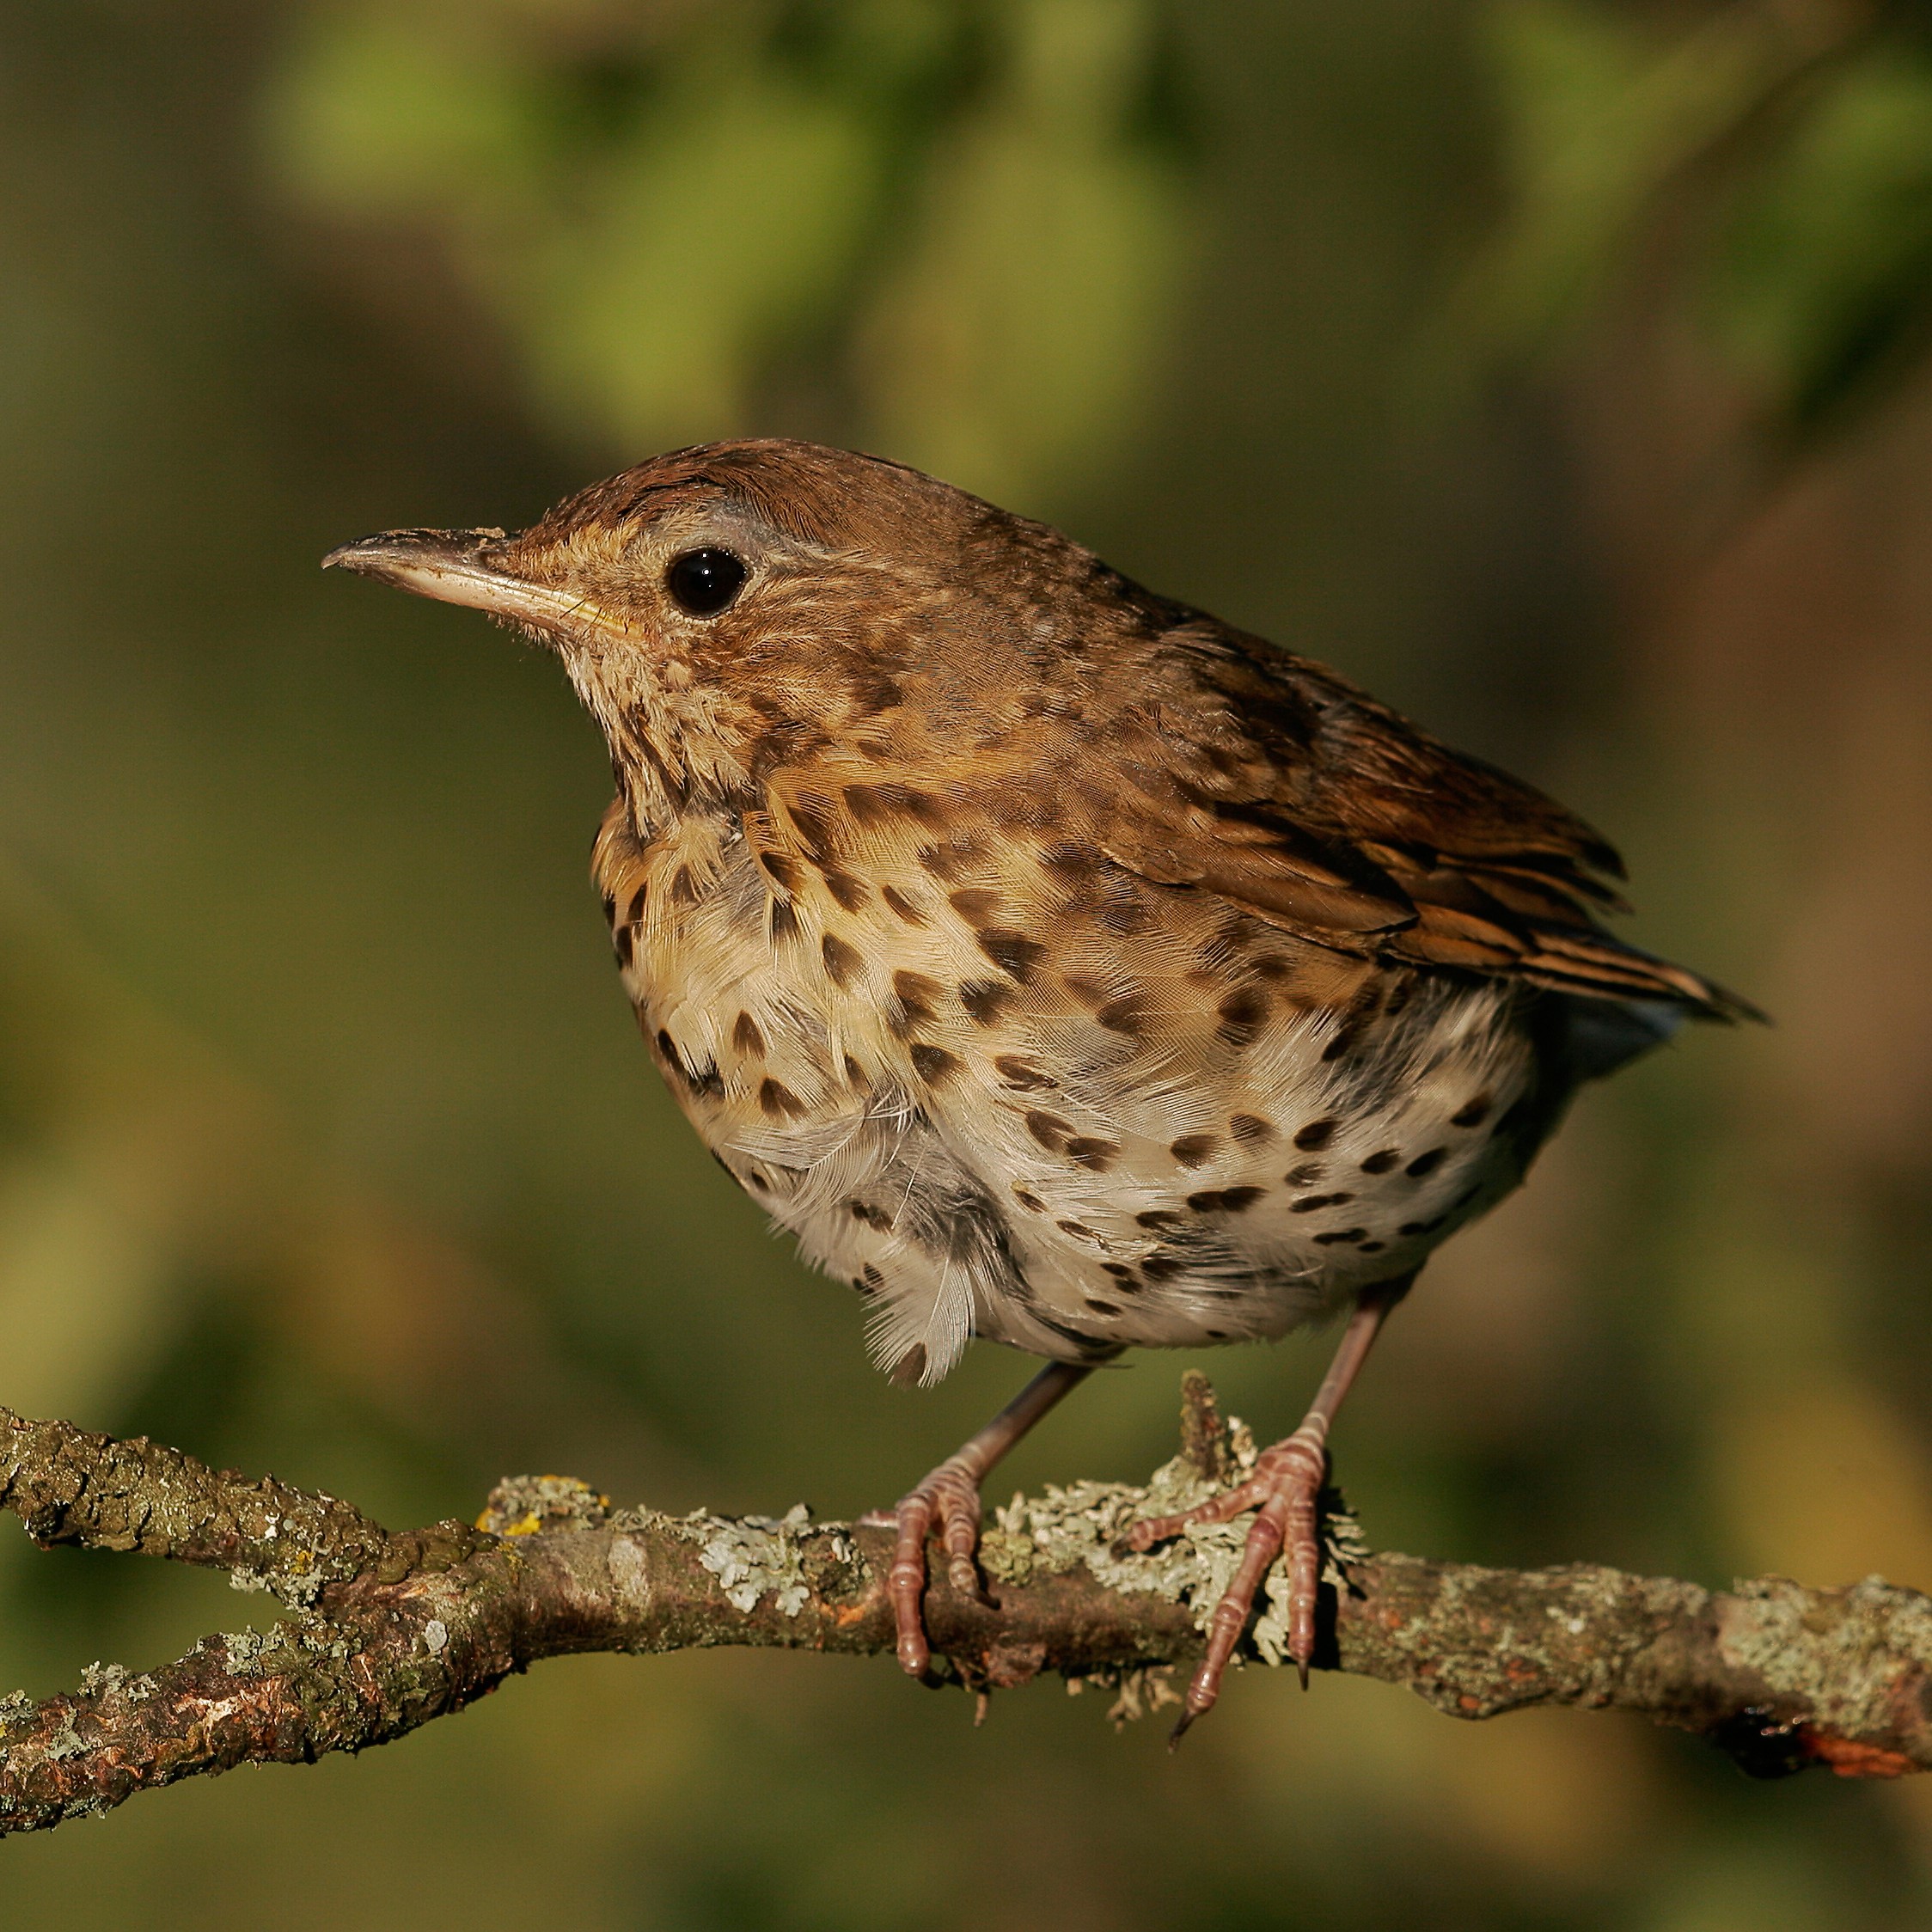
x,y
951,1495
1285,1487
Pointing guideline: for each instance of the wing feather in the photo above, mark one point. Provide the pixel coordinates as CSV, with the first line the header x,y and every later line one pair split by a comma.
x,y
1274,784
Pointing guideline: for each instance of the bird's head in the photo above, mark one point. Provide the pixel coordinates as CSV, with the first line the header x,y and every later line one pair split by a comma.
x,y
727,608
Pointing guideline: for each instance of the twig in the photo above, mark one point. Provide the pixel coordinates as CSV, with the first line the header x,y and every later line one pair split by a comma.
x,y
385,1632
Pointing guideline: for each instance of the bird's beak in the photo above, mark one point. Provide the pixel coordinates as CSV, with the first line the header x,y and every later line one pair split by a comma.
x,y
454,567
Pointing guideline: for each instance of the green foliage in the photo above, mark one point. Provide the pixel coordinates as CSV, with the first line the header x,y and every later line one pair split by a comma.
x,y
1787,156
1822,288
957,210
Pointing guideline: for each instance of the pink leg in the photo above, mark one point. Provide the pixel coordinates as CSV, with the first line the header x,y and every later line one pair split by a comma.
x,y
1284,1488
951,1494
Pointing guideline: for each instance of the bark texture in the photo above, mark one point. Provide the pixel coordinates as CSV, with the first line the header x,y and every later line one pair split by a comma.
x,y
383,1632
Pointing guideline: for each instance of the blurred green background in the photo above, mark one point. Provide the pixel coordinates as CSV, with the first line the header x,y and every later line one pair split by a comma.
x,y
1553,366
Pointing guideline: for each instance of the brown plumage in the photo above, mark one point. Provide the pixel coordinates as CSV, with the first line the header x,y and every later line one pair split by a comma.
x,y
1059,964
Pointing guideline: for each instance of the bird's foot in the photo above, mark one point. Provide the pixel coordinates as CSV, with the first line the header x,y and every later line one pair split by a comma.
x,y
1284,1489
949,1500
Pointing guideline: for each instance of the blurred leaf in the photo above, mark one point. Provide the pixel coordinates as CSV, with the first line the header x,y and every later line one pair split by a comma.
x,y
1796,144
1598,114
1014,337
1824,283
958,208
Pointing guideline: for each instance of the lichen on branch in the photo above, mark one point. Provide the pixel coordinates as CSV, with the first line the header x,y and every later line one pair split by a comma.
x,y
385,1632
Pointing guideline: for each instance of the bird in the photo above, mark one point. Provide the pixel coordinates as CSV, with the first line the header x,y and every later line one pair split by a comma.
x,y
1059,965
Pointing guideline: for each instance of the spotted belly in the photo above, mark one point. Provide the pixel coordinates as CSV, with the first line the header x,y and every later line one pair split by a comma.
x,y
1072,1161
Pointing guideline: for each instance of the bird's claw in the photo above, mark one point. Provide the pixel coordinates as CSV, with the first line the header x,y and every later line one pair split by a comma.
x,y
949,1498
1283,1490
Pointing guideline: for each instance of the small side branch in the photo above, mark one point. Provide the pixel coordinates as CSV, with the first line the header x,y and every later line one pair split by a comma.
x,y
385,1632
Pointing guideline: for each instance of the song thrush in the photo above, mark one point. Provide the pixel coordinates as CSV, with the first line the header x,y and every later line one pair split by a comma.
x,y
1060,965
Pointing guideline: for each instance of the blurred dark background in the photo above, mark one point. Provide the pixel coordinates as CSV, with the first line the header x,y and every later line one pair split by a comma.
x,y
1553,366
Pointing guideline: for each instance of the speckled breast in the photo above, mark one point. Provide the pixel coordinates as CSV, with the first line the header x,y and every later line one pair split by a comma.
x,y
1023,1094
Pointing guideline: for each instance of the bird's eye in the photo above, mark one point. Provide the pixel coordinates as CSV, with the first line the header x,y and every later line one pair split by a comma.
x,y
703,582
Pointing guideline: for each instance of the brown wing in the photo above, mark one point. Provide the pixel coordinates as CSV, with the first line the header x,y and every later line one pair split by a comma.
x,y
1276,784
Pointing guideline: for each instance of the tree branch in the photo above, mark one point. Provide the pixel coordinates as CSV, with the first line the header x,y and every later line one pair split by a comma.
x,y
385,1632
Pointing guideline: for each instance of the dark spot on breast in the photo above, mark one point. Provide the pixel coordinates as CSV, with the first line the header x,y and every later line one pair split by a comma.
x,y
850,893
1272,967
1125,1015
1050,1130
842,962
900,906
754,1179
635,911
1234,935
623,941
1339,1234
873,690
1157,1217
1472,1113
1120,1272
1122,911
1381,1163
975,905
1013,953
933,1064
1161,1266
784,920
1194,1150
880,801
1101,1307
1072,861
1315,1135
1374,1247
1306,1176
918,996
746,1037
1096,1156
610,909
1021,1073
1237,1201
1345,1037
873,1279
1243,1012
949,861
705,1079
813,817
1078,1230
910,1366
1215,1335
1028,1199
983,998
864,802
1426,1164
780,1103
684,888
855,1074
783,872
1422,1228
1251,1129
1309,1203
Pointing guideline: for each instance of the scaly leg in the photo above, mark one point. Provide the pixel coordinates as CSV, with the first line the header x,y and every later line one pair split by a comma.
x,y
1285,1487
951,1494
